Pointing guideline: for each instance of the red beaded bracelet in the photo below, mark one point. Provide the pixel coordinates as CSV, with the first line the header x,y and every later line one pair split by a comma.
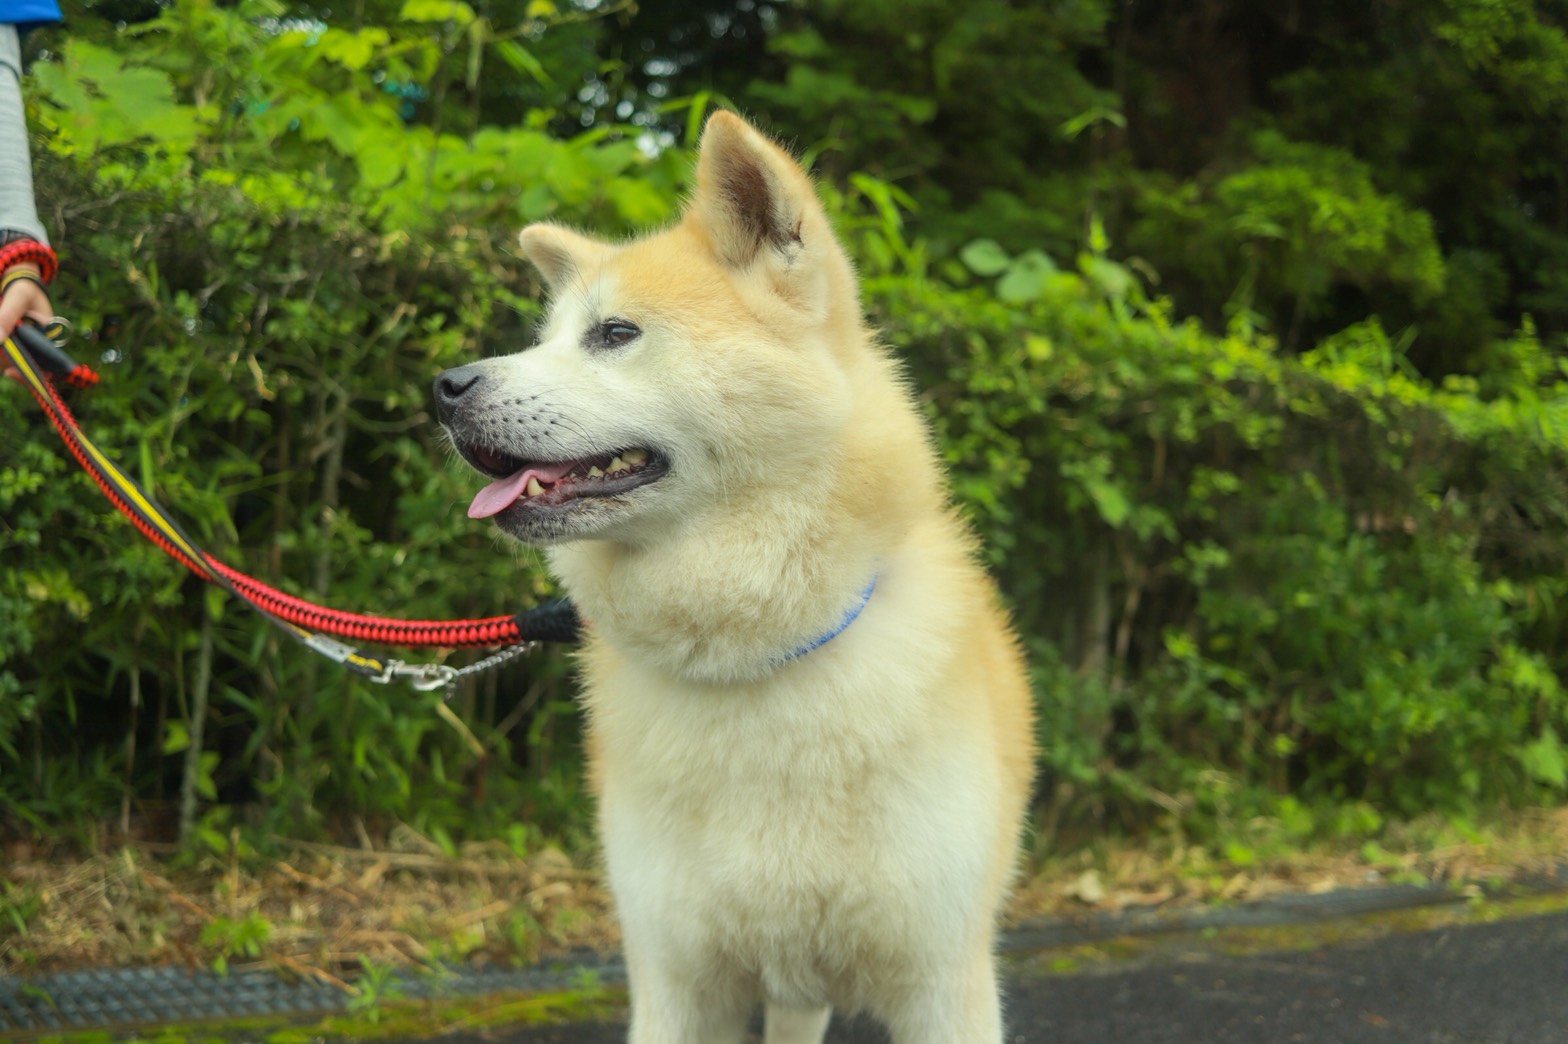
x,y
30,250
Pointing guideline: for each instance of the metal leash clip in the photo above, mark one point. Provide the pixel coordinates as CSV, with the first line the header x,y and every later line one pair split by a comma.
x,y
424,677
58,330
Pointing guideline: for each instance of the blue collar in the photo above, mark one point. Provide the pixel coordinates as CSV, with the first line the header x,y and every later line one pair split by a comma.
x,y
849,618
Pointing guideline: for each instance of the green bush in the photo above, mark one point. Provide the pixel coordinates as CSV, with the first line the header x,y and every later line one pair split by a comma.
x,y
1245,575
272,302
1322,584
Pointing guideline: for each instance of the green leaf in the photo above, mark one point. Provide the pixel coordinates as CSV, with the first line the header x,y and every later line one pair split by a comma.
x,y
206,765
436,11
1025,278
638,202
985,257
176,737
1240,854
1070,129
1114,280
380,165
536,203
339,120
352,50
521,59
1099,241
1546,760
1109,500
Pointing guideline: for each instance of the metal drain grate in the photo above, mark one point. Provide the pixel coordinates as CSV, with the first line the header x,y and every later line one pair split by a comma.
x,y
142,996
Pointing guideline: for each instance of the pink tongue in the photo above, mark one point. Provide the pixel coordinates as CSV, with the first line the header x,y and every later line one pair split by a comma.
x,y
503,492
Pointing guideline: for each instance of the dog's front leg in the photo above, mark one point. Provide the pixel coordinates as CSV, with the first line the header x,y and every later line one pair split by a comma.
x,y
962,1006
673,1008
793,1026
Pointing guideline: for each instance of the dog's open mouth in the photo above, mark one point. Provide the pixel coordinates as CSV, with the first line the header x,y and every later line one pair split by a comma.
x,y
535,483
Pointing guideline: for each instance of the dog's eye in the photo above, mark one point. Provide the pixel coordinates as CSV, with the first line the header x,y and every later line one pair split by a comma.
x,y
613,333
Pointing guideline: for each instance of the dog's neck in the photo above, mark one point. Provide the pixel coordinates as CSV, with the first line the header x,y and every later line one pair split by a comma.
x,y
843,625
680,610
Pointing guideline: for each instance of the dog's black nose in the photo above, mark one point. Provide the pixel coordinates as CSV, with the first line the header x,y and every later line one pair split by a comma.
x,y
450,387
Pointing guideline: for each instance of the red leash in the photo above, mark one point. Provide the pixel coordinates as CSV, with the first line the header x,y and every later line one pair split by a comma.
x,y
36,357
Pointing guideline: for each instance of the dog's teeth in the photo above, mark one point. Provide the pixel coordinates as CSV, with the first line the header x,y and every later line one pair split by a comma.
x,y
533,489
616,465
594,472
635,457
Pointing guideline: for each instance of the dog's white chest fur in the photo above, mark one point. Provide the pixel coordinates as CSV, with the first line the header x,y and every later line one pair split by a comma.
x,y
804,829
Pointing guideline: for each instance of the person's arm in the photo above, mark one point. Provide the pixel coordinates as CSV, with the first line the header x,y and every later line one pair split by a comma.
x,y
27,269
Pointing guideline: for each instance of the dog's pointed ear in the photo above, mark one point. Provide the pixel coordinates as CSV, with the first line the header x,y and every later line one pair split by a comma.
x,y
558,253
751,196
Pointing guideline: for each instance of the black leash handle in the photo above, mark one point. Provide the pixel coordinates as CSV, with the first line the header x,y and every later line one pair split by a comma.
x,y
46,345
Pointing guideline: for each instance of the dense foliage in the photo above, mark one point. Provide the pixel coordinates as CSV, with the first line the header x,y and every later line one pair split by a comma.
x,y
1242,327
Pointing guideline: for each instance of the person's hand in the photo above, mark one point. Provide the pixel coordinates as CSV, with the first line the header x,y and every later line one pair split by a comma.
x,y
22,298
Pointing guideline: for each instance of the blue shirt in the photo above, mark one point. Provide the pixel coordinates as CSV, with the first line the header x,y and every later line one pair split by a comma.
x,y
25,14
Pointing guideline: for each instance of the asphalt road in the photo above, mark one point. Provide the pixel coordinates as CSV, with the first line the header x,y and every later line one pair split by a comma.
x,y
1500,983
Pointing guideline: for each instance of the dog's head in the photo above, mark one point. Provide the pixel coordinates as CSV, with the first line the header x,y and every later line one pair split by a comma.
x,y
675,372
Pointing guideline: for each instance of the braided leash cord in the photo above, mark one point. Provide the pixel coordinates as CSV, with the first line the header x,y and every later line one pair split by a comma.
x,y
422,634
154,524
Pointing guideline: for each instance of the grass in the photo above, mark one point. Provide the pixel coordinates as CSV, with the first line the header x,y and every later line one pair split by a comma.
x,y
1262,858
321,911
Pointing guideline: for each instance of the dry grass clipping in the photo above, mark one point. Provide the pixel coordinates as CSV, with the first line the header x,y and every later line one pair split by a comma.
x,y
1517,846
316,912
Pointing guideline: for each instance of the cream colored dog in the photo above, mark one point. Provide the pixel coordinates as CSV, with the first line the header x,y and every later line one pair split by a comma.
x,y
810,727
